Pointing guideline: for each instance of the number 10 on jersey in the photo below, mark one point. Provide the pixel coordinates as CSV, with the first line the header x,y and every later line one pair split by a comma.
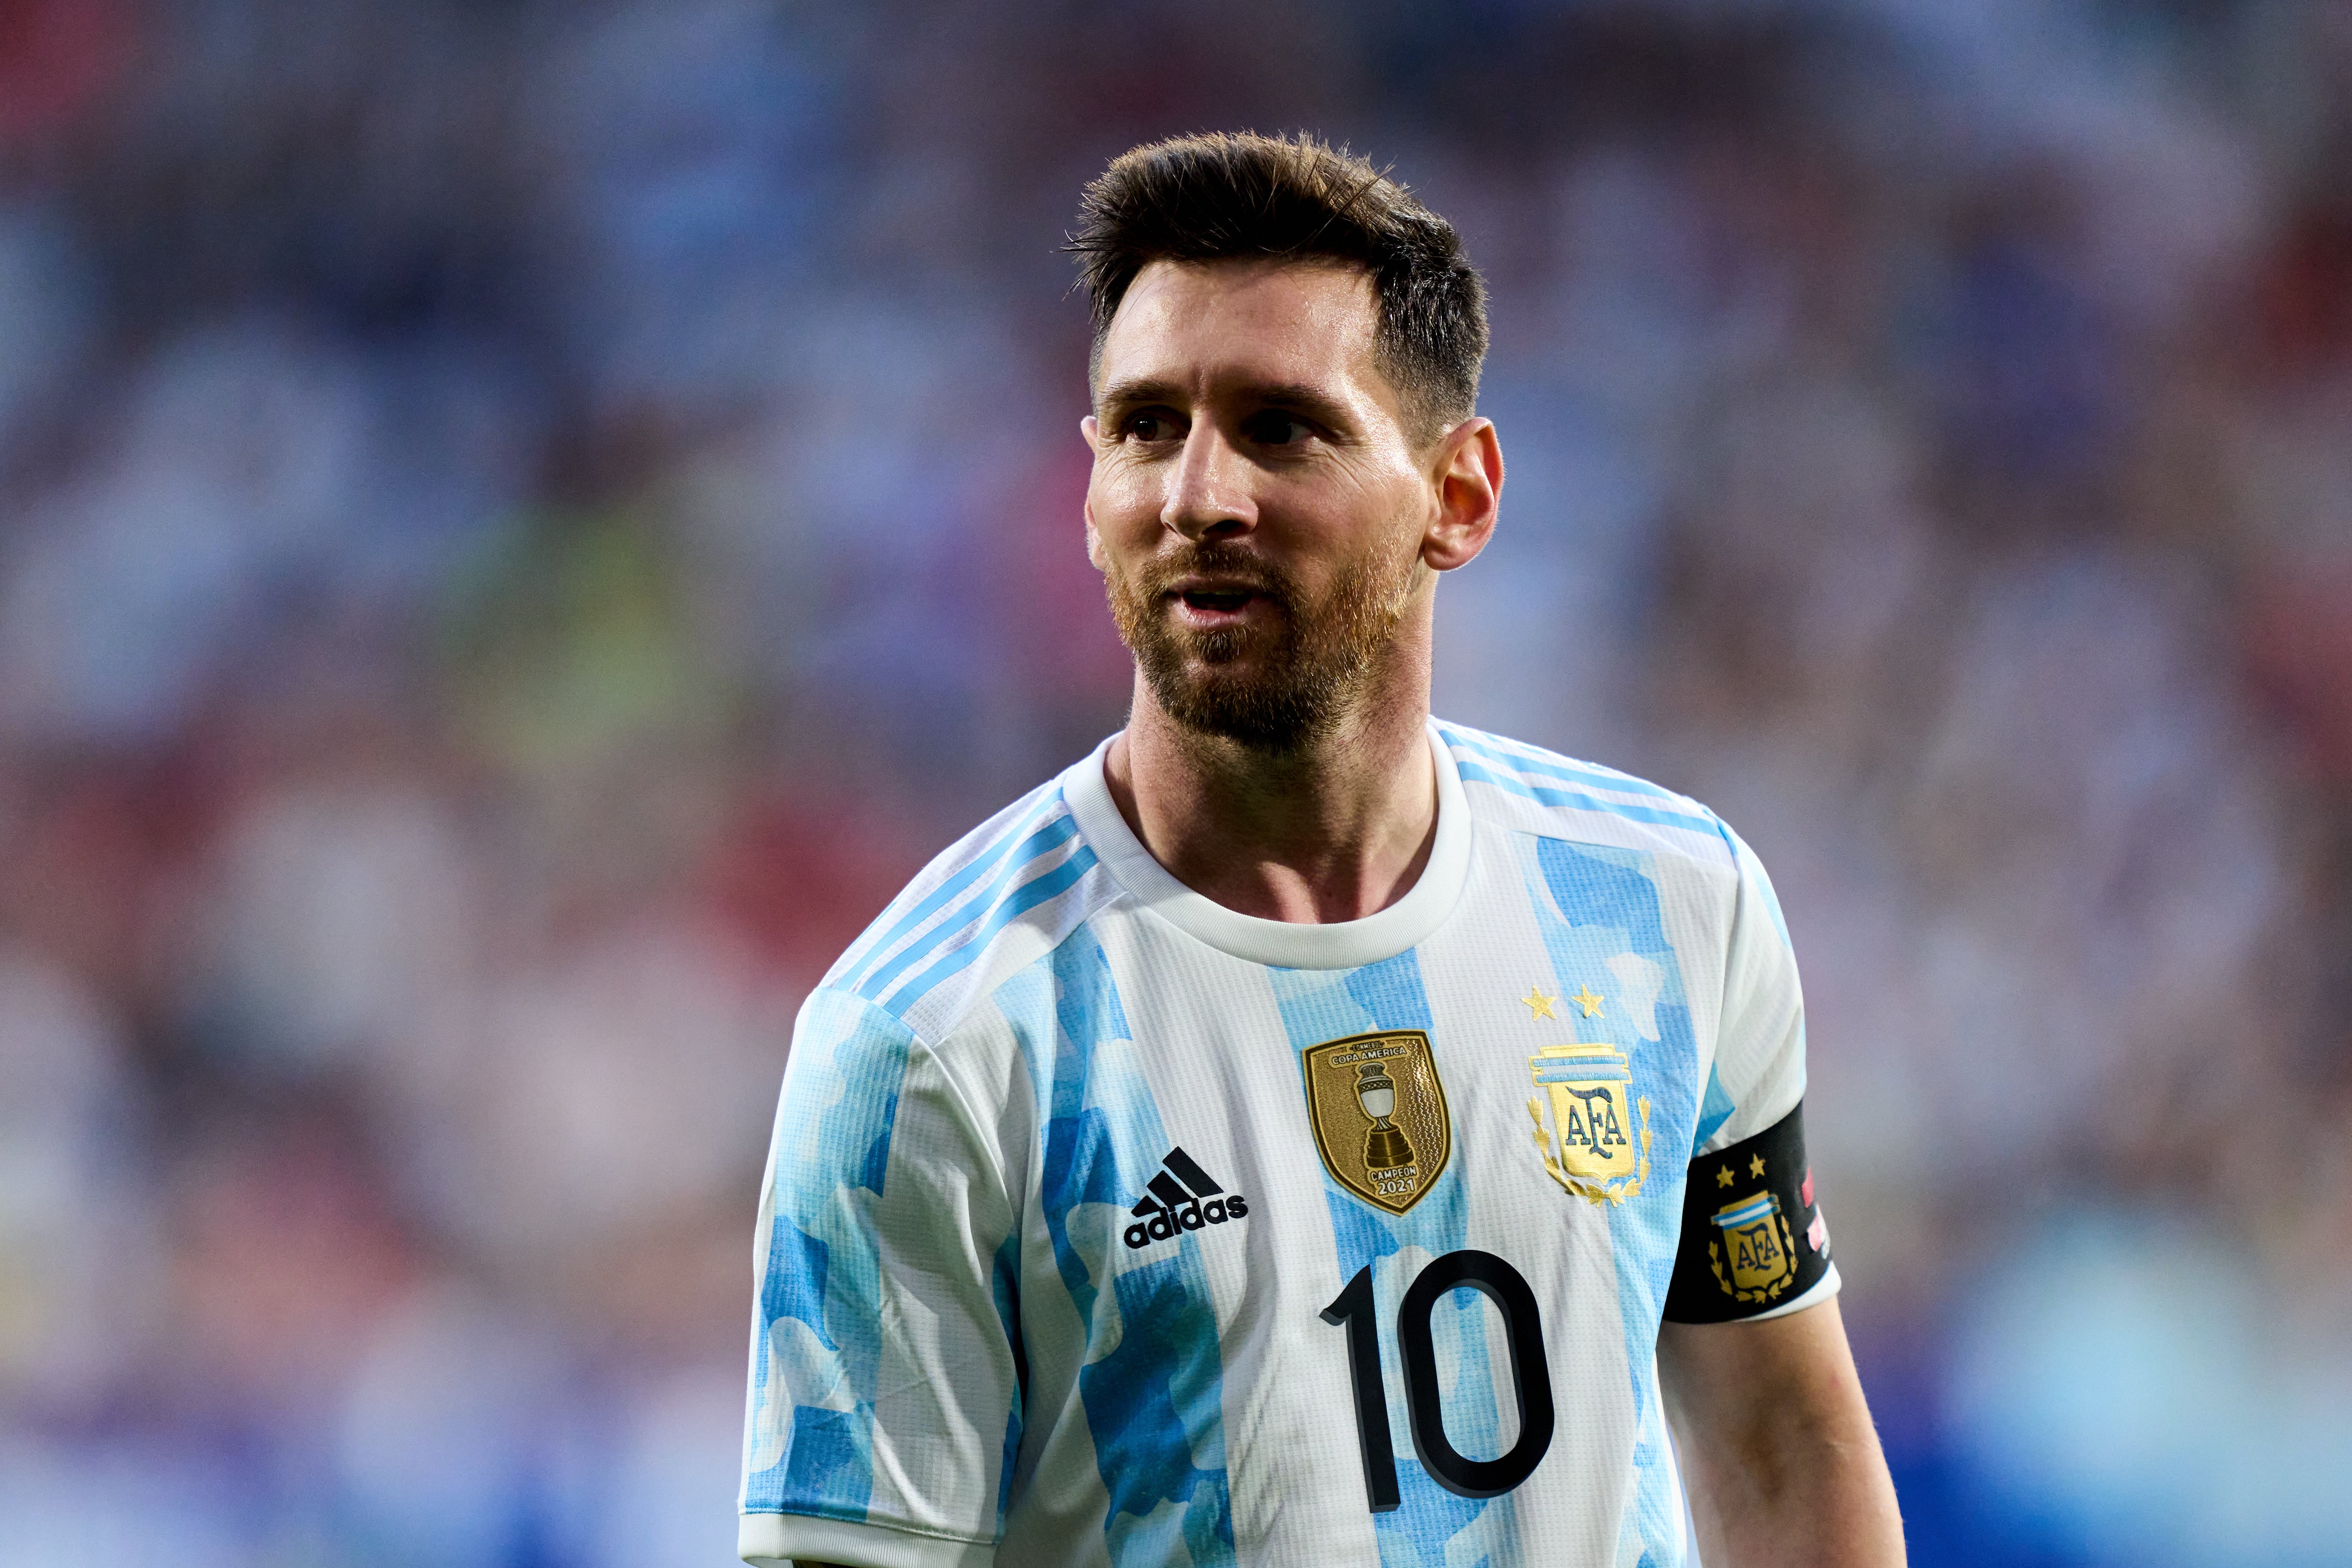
x,y
1530,1378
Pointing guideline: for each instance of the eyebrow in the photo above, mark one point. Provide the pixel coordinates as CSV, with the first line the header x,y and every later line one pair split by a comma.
x,y
1308,399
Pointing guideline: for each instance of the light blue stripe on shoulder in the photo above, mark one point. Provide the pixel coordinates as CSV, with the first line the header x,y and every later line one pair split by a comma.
x,y
1591,774
940,897
1473,773
1053,833
1714,1111
1025,898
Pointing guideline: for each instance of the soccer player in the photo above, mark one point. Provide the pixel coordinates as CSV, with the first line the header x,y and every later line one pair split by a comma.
x,y
1305,1132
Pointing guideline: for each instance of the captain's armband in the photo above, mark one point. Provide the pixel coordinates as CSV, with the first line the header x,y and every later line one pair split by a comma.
x,y
1753,1239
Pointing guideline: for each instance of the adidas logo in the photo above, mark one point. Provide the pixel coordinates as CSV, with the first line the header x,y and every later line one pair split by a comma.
x,y
1182,1197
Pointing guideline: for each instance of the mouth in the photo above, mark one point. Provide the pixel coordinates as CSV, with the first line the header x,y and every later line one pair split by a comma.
x,y
1206,605
1219,600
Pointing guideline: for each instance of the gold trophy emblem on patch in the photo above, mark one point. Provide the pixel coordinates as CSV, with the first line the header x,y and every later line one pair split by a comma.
x,y
1762,1254
1597,1144
1378,1113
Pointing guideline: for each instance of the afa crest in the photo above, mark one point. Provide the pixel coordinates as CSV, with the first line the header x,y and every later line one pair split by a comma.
x,y
1378,1114
1755,1258
1597,1143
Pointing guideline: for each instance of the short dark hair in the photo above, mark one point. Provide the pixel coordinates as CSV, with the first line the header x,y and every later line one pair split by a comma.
x,y
1232,196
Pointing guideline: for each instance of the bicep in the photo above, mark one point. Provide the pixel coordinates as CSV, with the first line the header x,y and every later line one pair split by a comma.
x,y
1730,1382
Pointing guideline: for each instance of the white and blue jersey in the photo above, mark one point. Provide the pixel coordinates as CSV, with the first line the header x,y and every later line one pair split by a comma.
x,y
1095,1210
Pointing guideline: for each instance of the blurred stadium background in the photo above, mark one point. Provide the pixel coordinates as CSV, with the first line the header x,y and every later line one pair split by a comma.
x,y
521,523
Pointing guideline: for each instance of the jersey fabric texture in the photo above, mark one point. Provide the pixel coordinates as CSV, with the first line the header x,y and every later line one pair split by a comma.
x,y
1062,1186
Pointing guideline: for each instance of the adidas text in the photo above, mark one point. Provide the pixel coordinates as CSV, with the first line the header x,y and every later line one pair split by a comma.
x,y
1183,1196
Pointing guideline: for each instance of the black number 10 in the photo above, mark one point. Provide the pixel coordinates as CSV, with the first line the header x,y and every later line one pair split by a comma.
x,y
1530,1378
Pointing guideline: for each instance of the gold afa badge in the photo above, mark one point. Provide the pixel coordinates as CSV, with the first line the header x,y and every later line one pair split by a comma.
x,y
1597,1144
1756,1243
1378,1114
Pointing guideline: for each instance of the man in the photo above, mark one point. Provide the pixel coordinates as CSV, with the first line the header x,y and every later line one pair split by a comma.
x,y
1278,1139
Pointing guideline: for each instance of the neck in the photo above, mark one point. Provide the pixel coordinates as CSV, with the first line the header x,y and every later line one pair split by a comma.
x,y
1337,829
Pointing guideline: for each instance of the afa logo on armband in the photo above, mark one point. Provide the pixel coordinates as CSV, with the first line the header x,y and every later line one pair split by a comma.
x,y
1754,1259
1752,1238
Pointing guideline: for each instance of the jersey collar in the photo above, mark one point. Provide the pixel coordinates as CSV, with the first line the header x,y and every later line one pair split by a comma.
x,y
1342,945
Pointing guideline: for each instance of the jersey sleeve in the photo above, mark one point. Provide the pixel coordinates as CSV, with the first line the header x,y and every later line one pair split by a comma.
x,y
1759,1074
1753,1242
884,1408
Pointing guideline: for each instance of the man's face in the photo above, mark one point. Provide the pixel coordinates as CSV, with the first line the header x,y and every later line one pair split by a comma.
x,y
1257,508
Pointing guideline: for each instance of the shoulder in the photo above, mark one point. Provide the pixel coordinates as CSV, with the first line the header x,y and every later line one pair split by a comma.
x,y
1001,895
1542,792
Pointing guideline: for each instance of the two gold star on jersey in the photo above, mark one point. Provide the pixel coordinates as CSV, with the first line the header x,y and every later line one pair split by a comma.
x,y
1540,1005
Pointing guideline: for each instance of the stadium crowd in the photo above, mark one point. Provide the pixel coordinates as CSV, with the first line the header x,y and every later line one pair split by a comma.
x,y
521,527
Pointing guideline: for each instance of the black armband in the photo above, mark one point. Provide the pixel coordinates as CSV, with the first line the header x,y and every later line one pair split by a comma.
x,y
1752,1238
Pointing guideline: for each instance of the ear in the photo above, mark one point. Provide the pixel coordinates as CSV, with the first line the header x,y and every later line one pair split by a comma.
x,y
1466,471
1092,432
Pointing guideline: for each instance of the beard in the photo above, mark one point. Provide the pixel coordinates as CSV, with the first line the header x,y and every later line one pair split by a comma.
x,y
1270,687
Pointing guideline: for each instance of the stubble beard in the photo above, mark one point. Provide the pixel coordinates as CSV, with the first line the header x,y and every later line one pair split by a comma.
x,y
1311,665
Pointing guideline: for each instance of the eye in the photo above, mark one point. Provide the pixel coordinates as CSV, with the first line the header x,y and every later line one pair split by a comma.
x,y
1274,427
1148,424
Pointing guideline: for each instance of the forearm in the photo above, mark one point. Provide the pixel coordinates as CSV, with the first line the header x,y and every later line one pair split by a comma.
x,y
1782,1462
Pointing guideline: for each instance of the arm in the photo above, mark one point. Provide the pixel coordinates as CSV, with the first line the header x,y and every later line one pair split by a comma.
x,y
1783,1463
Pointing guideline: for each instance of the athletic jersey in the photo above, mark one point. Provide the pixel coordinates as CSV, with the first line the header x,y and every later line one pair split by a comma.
x,y
1104,1225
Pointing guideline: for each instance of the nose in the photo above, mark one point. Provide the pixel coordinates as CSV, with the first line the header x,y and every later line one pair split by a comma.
x,y
1208,494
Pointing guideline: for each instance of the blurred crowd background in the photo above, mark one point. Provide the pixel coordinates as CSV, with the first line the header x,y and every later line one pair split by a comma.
x,y
521,524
